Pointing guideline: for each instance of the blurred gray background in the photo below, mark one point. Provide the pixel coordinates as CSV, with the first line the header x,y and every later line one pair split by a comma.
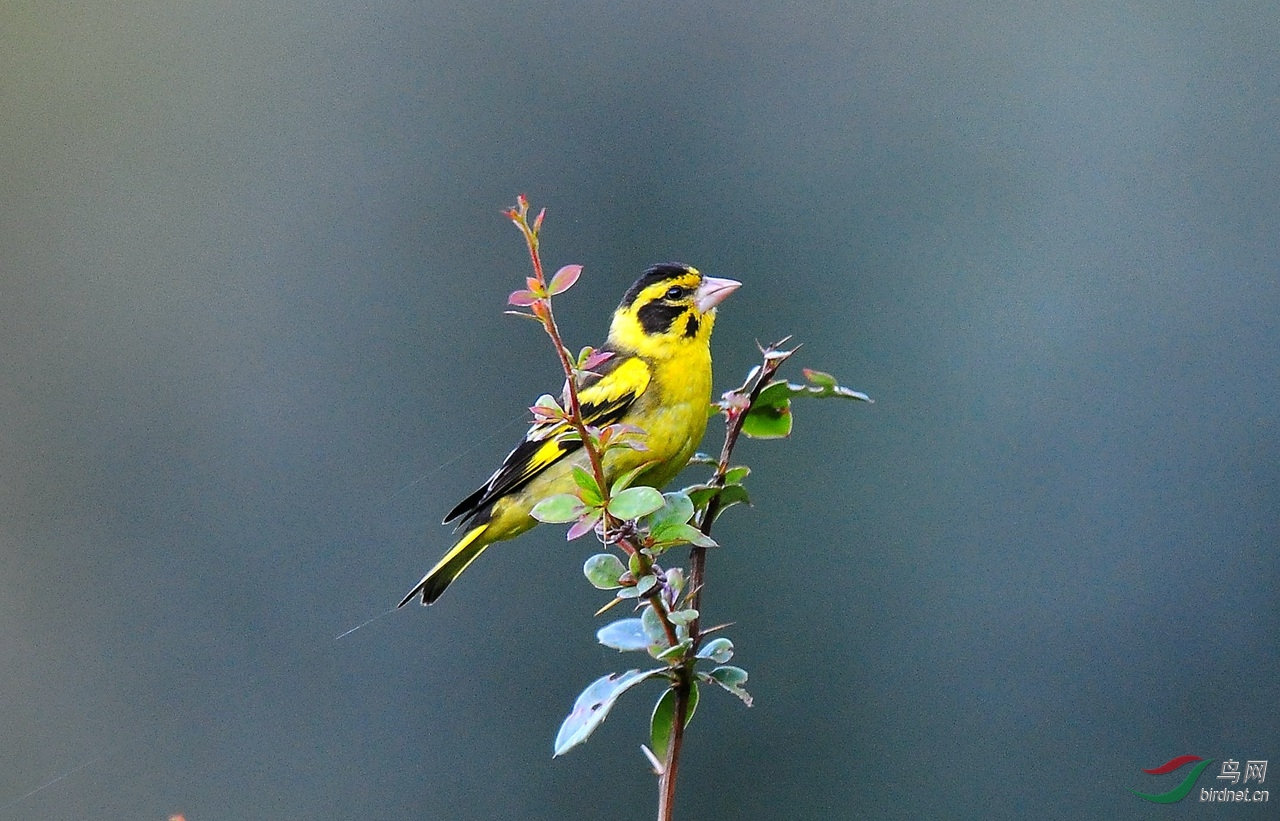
x,y
252,269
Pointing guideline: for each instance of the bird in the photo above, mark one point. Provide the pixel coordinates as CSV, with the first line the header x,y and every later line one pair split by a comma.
x,y
657,379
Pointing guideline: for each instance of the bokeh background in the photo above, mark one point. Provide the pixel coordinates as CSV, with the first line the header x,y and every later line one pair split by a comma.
x,y
251,349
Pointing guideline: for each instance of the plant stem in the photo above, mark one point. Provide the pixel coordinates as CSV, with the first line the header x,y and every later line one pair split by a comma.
x,y
519,215
735,417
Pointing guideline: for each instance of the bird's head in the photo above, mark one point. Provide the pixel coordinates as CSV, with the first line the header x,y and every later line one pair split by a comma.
x,y
668,309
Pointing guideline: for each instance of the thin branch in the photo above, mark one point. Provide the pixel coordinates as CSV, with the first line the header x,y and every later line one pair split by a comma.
x,y
736,414
519,215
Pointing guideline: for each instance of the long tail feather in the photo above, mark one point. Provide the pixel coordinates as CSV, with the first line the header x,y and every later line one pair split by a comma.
x,y
450,567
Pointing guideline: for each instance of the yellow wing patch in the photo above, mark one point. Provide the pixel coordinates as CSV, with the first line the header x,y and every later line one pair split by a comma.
x,y
605,399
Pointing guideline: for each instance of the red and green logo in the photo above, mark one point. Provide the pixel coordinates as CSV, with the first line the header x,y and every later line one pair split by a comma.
x,y
1179,792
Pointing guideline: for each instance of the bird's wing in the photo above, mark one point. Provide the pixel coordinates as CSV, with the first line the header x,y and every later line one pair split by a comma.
x,y
604,398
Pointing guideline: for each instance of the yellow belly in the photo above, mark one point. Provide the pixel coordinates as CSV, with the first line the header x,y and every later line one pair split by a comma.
x,y
673,414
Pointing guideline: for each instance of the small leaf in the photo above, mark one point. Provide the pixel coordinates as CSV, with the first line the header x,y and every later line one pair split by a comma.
x,y
564,279
624,481
731,495
673,652
669,535
603,570
701,494
682,616
719,650
729,676
822,380
652,626
635,502
732,678
558,509
593,705
548,401
594,359
675,580
522,298
662,721
776,392
645,584
587,482
584,525
735,475
624,635
677,508
768,420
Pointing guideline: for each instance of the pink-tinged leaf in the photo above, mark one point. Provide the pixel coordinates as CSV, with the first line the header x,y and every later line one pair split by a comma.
x,y
564,279
597,358
539,308
542,414
583,526
522,298
537,221
532,284
523,202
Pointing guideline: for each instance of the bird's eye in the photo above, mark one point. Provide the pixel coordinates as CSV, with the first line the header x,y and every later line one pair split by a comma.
x,y
675,292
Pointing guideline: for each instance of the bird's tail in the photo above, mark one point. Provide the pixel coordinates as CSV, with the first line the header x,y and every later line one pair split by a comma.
x,y
450,567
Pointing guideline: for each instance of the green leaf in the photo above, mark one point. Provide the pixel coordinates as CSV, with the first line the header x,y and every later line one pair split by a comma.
x,y
624,635
769,419
652,627
719,650
682,534
662,722
673,652
700,494
603,570
624,481
729,676
732,678
587,483
777,392
823,386
735,475
677,508
731,495
770,414
682,616
645,584
564,507
822,380
635,502
593,705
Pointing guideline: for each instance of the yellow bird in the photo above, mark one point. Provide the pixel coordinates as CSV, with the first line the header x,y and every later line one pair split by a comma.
x,y
658,379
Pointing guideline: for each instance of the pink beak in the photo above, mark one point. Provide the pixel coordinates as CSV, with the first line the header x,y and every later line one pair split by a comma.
x,y
713,291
